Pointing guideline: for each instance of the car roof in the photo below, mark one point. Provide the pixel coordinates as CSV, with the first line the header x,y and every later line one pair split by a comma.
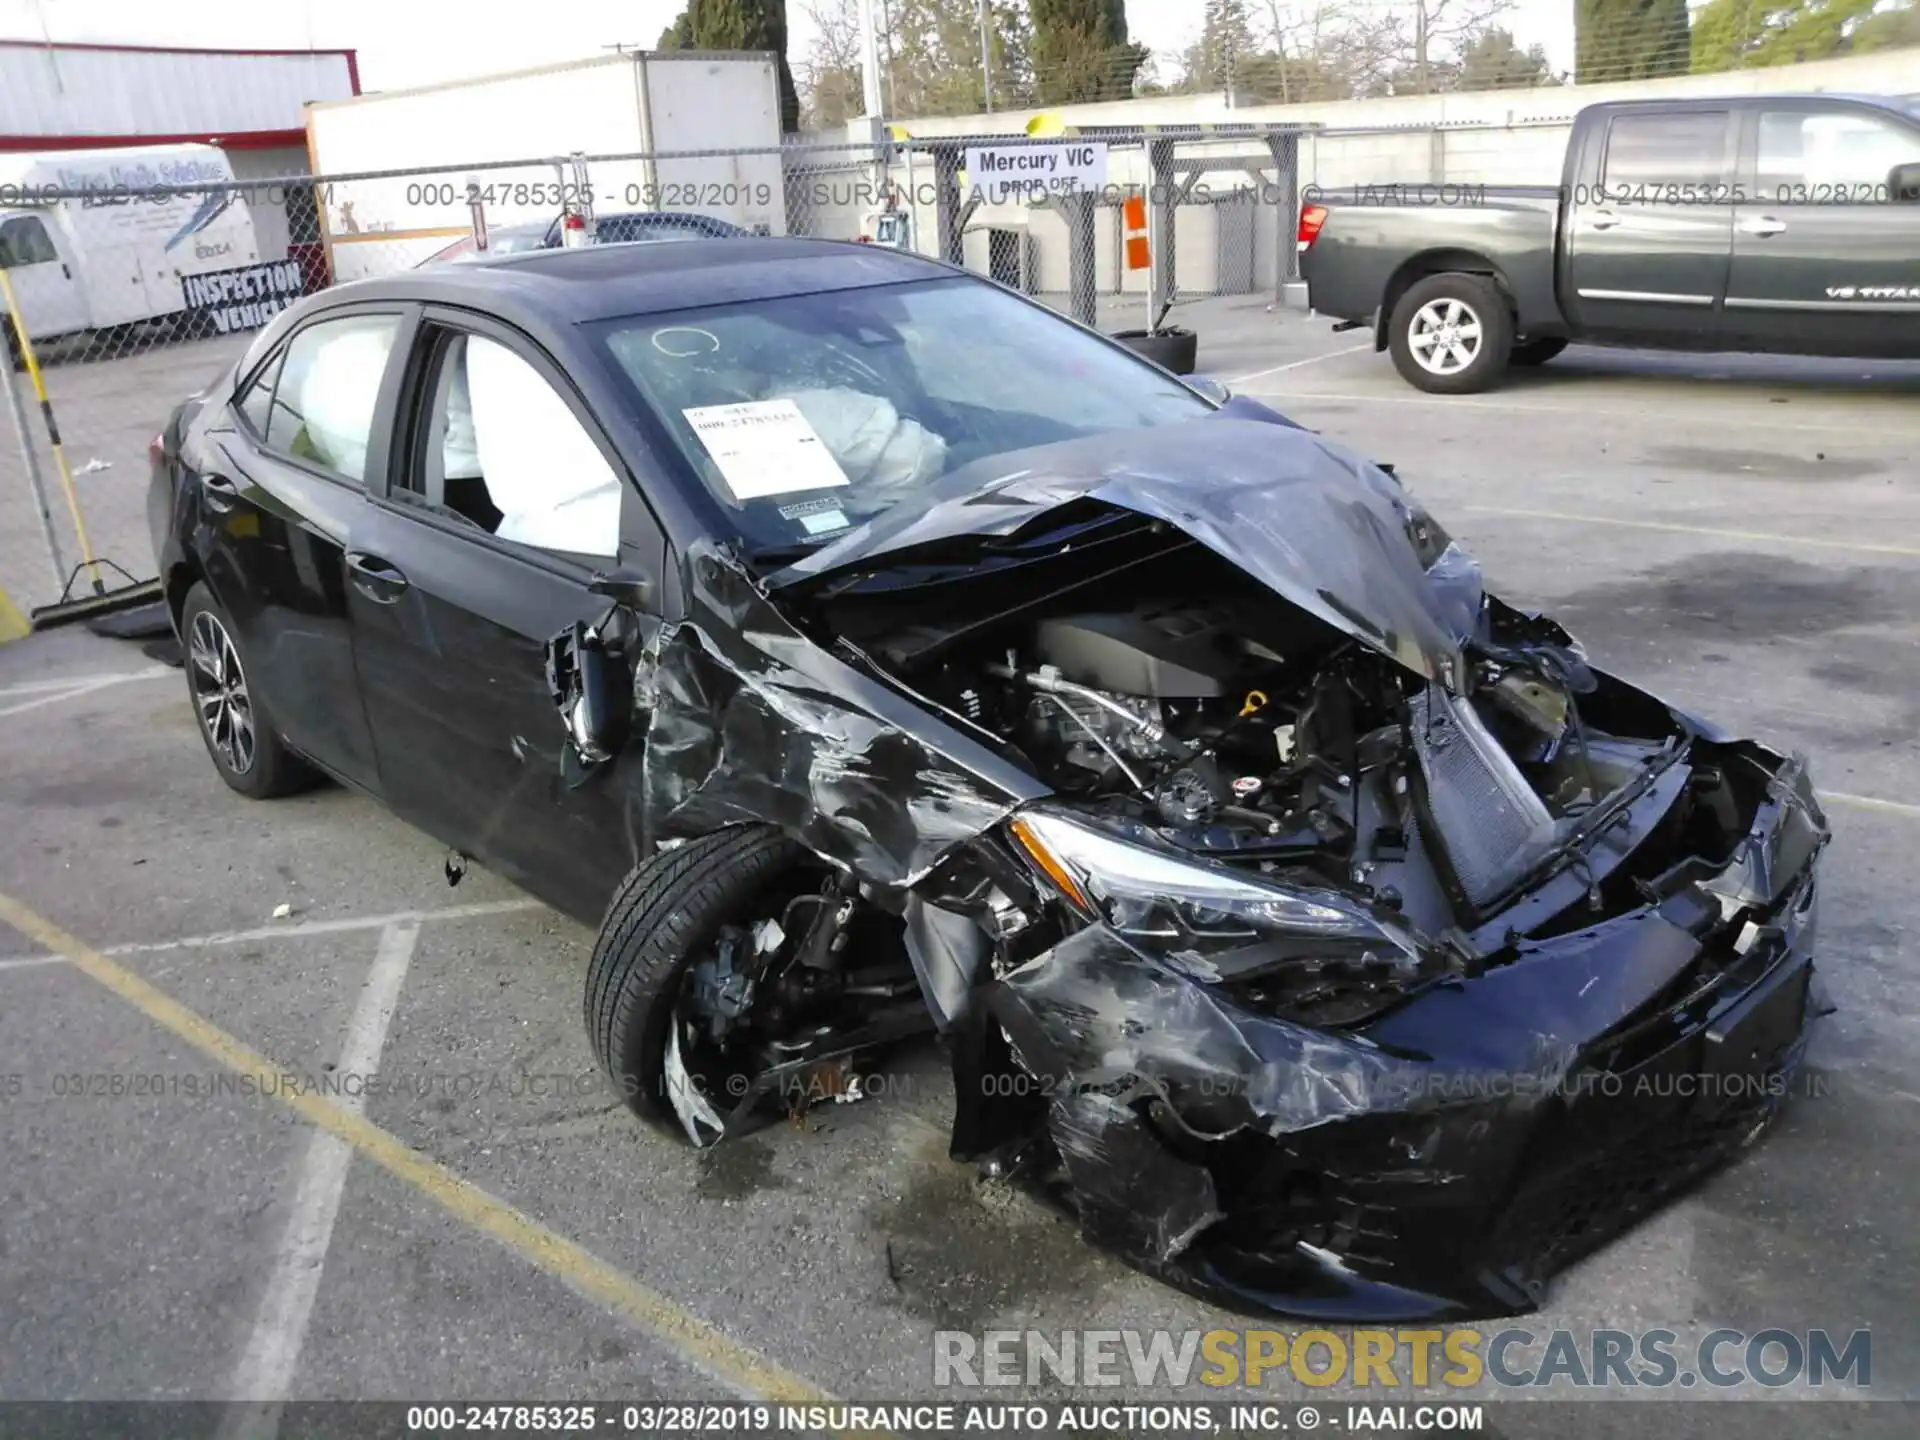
x,y
597,282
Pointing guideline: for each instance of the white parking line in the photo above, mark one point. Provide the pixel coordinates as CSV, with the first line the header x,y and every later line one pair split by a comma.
x,y
266,1368
294,931
1715,532
1515,407
1872,802
1297,364
52,692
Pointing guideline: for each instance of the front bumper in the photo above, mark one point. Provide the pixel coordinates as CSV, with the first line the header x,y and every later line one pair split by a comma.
x,y
1448,1158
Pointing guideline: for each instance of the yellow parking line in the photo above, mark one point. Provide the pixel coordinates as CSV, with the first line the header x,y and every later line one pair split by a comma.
x,y
1763,537
583,1272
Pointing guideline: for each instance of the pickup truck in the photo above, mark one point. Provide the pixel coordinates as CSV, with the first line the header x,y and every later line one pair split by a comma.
x,y
1787,224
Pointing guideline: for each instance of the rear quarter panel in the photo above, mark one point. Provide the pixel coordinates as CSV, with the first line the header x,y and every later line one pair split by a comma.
x,y
1367,251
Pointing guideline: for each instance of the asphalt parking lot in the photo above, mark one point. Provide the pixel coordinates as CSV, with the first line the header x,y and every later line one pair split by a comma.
x,y
1742,535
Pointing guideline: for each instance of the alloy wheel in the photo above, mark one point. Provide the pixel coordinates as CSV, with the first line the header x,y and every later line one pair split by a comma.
x,y
220,691
1445,336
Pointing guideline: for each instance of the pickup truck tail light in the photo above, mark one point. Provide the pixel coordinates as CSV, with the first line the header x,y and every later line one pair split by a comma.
x,y
1311,219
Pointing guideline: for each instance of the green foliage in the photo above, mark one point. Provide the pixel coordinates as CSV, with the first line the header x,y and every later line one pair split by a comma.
x,y
1630,39
1081,51
1734,34
1493,61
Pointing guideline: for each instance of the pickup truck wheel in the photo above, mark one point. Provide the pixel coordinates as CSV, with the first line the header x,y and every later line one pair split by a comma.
x,y
1536,352
1451,334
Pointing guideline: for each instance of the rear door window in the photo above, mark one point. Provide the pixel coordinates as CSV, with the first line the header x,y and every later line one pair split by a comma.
x,y
329,389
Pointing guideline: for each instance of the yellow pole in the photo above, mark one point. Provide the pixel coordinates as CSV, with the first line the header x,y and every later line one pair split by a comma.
x,y
53,430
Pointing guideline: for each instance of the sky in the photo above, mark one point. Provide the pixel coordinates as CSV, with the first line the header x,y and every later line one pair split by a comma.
x,y
418,42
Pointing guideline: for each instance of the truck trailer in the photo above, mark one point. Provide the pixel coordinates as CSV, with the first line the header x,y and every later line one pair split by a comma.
x,y
499,150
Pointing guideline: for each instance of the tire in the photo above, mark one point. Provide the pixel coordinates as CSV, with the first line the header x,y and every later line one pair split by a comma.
x,y
661,921
1536,352
1173,348
1481,337
240,737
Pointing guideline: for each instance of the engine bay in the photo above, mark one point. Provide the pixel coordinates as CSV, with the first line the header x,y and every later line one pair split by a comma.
x,y
1237,727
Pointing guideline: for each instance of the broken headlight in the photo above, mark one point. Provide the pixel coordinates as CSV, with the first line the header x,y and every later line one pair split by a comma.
x,y
1151,896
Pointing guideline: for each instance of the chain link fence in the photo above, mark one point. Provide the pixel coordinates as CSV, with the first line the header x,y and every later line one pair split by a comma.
x,y
133,299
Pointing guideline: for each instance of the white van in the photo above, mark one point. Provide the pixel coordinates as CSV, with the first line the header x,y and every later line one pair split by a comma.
x,y
115,255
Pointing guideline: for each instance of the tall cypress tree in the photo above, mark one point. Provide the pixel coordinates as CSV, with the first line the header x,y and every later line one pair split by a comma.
x,y
739,25
1081,51
1630,40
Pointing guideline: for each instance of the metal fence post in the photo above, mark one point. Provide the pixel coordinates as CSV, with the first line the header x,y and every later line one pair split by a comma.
x,y
1286,254
1162,195
1082,276
31,462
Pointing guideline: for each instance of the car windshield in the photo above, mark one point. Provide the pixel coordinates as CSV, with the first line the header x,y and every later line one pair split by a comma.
x,y
807,415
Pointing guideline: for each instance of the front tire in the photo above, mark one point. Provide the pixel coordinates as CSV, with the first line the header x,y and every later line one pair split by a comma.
x,y
234,726
1451,334
665,919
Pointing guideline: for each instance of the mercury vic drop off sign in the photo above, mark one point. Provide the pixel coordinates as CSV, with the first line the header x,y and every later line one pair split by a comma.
x,y
1036,172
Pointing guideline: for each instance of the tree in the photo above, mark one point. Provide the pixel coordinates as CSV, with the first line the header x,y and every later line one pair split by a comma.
x,y
1081,51
740,25
1225,49
1630,39
1493,61
1730,34
831,89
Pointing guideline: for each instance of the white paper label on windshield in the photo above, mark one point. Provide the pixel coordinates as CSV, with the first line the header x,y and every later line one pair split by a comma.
x,y
765,447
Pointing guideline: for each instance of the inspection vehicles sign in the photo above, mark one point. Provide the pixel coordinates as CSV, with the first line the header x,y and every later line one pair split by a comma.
x,y
1036,172
244,298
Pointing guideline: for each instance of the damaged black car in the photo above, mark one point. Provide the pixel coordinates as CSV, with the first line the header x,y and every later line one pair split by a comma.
x,y
871,654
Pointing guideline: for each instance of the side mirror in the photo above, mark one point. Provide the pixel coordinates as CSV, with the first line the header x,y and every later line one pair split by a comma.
x,y
1903,182
591,683
1209,388
623,587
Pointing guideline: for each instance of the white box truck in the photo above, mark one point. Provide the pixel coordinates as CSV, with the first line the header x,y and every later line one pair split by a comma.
x,y
650,103
88,247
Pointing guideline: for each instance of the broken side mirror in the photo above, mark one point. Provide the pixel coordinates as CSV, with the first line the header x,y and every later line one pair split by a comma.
x,y
1903,182
624,587
590,678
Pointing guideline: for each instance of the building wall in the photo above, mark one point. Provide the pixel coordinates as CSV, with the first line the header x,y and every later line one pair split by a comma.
x,y
83,95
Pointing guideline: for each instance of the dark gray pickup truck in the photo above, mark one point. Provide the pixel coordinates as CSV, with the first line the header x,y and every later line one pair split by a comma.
x,y
1785,223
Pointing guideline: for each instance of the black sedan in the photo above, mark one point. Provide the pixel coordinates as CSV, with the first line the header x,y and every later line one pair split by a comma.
x,y
869,652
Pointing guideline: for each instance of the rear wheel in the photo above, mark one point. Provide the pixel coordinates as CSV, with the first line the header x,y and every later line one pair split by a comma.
x,y
1451,334
1536,352
238,733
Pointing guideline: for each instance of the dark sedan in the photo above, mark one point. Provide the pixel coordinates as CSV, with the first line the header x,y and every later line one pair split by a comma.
x,y
870,652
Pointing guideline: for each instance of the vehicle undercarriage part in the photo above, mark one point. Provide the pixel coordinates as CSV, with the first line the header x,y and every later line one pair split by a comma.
x,y
1298,907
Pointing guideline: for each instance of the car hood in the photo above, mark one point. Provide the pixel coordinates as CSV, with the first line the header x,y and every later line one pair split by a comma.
x,y
1326,530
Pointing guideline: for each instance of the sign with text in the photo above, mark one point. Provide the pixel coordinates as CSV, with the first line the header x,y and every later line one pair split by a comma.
x,y
244,298
1036,172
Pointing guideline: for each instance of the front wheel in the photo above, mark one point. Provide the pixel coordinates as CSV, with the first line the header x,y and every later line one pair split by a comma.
x,y
1451,334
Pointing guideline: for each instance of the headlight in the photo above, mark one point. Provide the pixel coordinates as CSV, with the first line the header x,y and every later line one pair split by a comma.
x,y
1150,895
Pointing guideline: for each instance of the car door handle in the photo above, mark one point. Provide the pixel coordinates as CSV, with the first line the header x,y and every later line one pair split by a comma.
x,y
1603,219
1762,225
375,578
222,494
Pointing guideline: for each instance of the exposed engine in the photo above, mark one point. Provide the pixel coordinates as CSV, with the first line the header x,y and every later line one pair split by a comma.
x,y
1331,758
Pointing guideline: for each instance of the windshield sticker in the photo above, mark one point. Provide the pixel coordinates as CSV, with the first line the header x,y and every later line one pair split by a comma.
x,y
765,447
817,517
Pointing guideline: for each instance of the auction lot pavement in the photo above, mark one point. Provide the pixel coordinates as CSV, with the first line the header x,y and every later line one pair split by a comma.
x,y
1741,535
